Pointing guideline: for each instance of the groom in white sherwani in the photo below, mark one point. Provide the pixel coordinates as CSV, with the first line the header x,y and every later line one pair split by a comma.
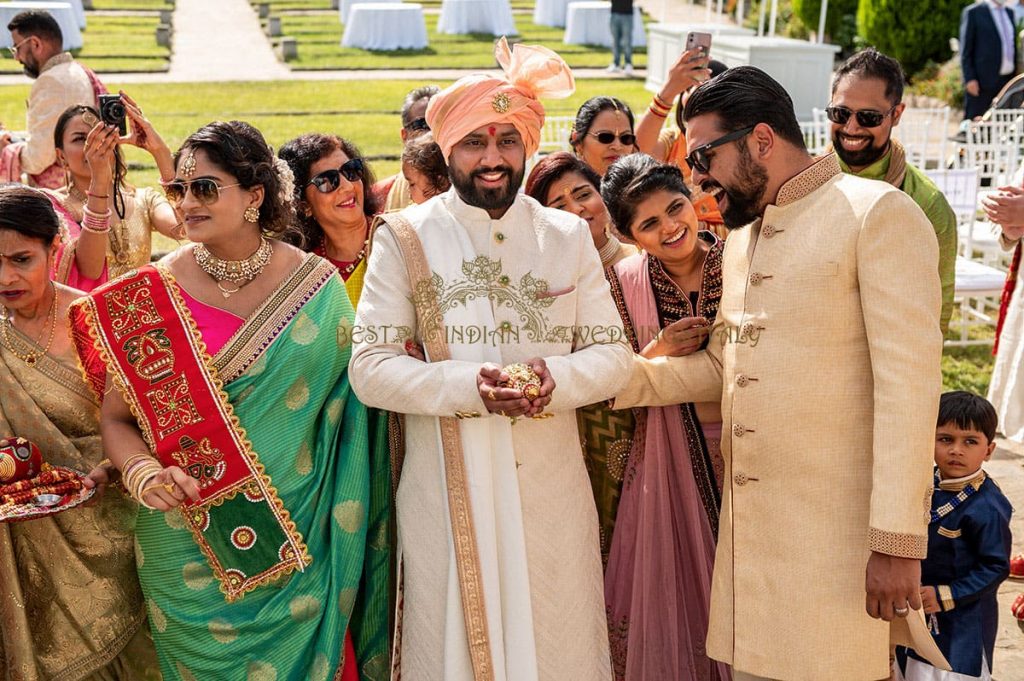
x,y
497,529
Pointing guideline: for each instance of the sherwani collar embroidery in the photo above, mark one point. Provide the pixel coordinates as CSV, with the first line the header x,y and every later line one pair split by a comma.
x,y
958,484
57,60
808,180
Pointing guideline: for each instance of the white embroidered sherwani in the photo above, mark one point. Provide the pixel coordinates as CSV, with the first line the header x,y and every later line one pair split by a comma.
x,y
522,282
825,356
62,83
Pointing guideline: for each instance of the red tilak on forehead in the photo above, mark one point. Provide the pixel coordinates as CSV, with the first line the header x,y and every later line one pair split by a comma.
x,y
492,131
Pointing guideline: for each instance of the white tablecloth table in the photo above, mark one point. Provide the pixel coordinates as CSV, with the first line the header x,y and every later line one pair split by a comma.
x,y
385,26
550,12
63,12
586,23
493,17
345,6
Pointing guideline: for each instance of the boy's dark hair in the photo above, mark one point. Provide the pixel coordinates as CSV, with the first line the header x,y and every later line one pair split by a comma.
x,y
871,63
969,412
38,23
744,96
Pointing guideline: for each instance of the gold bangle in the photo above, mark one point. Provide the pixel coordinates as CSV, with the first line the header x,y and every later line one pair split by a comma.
x,y
128,462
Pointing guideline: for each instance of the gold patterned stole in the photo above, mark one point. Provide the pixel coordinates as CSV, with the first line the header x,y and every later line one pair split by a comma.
x,y
467,559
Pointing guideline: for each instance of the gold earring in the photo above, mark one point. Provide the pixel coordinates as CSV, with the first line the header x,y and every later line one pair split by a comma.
x,y
252,214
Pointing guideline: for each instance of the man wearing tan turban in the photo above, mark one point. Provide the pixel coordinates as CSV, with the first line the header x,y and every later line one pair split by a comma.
x,y
498,534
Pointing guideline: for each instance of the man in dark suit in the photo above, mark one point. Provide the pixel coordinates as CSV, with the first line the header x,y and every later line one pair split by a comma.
x,y
988,53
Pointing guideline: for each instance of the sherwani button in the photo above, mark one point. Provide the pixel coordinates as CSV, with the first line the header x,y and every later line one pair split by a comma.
x,y
768,231
499,237
740,479
738,430
742,381
749,328
504,280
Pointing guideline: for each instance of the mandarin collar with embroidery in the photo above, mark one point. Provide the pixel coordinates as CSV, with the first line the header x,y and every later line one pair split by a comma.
x,y
56,60
957,484
808,180
467,215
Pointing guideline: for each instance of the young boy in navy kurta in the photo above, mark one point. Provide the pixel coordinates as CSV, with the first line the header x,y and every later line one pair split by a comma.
x,y
968,544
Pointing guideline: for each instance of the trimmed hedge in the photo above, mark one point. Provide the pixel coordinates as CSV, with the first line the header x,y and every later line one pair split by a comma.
x,y
809,12
912,31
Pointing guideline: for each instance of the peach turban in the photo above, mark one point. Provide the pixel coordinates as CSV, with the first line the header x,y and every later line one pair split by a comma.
x,y
531,72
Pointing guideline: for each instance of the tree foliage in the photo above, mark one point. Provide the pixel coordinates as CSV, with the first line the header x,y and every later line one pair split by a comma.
x,y
913,32
809,12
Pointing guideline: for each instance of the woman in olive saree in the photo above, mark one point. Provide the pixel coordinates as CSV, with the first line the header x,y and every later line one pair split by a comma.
x,y
71,608
275,566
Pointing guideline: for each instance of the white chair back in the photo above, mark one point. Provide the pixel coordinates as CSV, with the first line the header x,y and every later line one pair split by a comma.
x,y
960,187
993,148
816,133
1008,117
555,134
924,134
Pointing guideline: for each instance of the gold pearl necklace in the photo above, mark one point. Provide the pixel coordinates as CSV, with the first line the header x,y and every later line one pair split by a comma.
x,y
237,272
31,358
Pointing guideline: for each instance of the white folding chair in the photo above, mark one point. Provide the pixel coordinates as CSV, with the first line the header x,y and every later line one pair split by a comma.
x,y
977,239
978,288
993,148
816,133
1008,117
923,133
554,136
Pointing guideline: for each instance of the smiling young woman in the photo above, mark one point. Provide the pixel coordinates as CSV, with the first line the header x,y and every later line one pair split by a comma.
x,y
666,521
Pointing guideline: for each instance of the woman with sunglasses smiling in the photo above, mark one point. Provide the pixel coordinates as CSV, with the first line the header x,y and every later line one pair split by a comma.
x,y
334,202
671,474
265,558
109,222
603,132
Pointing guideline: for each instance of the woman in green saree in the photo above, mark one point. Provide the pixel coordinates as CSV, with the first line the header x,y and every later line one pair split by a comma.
x,y
265,555
71,607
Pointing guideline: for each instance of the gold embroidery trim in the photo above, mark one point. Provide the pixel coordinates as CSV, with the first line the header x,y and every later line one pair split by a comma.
x,y
262,327
951,534
899,544
810,179
467,560
946,597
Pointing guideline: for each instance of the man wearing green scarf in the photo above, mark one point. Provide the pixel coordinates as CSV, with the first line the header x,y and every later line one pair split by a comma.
x,y
867,103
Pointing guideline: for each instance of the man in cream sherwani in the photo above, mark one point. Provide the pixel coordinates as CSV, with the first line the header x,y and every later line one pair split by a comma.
x,y
825,355
508,587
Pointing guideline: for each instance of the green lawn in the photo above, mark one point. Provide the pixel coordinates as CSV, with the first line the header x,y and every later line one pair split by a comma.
x,y
115,44
284,6
131,5
319,46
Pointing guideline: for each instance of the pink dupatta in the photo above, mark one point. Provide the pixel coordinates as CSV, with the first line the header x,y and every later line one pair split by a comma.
x,y
658,581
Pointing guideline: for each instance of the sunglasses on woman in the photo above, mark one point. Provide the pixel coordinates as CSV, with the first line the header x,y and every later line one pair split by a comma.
x,y
329,180
698,158
204,190
627,138
866,118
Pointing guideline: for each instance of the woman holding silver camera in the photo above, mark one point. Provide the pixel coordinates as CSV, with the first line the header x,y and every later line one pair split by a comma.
x,y
110,222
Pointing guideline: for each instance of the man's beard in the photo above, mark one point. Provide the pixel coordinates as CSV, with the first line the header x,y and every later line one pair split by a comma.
x,y
497,198
744,201
31,68
859,159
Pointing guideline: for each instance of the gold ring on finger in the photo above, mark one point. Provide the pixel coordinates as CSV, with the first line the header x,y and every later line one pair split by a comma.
x,y
169,486
491,396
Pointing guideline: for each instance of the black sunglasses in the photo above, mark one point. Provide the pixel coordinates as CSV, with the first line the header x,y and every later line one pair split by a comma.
x,y
627,138
417,124
204,190
329,180
698,158
866,118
